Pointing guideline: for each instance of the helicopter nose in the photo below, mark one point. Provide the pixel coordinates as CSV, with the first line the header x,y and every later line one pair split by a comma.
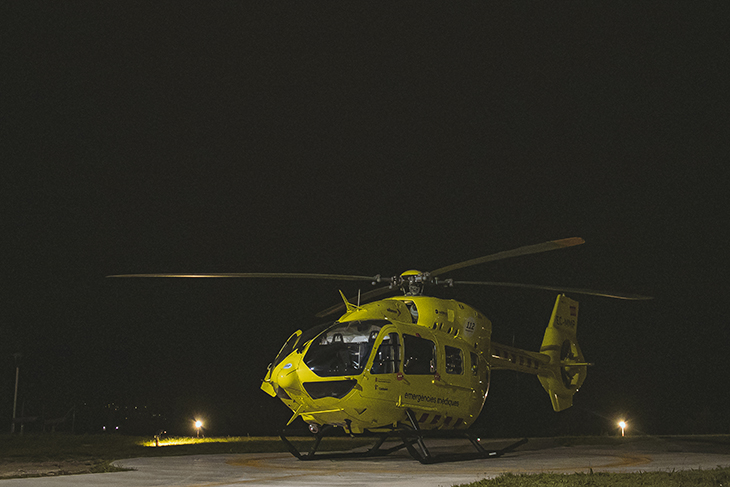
x,y
289,380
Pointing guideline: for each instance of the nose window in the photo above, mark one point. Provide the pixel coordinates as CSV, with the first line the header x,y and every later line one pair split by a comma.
x,y
343,349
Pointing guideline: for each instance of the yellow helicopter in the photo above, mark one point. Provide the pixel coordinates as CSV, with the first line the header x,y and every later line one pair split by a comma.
x,y
412,365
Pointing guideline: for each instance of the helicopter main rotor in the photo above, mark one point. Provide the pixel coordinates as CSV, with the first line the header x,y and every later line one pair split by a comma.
x,y
413,282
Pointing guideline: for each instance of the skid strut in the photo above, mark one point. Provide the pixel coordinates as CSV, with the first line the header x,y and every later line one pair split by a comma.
x,y
374,451
411,439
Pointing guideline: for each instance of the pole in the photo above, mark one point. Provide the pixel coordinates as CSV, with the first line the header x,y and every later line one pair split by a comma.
x,y
15,396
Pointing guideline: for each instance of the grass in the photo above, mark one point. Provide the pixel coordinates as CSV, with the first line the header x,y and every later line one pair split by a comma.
x,y
685,478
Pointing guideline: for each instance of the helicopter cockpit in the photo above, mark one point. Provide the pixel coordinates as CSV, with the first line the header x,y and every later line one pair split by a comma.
x,y
343,349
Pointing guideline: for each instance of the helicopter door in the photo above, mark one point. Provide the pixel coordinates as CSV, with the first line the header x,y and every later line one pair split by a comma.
x,y
419,374
383,382
459,385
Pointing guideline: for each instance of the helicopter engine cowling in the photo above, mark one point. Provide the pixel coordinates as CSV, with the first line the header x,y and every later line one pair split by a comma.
x,y
564,374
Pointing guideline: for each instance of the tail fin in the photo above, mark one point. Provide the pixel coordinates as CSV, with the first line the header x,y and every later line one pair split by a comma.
x,y
566,371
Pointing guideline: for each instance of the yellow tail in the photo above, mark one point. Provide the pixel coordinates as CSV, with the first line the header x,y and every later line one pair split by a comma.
x,y
566,371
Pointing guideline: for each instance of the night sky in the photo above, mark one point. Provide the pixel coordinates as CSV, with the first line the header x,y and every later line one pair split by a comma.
x,y
225,136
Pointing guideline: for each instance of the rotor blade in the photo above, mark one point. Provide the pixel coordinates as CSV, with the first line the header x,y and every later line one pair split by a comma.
x,y
526,250
367,296
591,292
264,275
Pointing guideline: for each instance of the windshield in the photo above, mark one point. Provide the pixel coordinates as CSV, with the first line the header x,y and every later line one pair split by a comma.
x,y
287,348
344,348
298,341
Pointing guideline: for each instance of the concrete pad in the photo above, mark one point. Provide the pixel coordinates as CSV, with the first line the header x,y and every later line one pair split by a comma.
x,y
399,469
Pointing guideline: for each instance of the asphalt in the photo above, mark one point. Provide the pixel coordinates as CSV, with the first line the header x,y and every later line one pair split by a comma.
x,y
399,469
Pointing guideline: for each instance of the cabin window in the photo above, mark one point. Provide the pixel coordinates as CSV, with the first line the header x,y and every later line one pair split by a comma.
x,y
454,360
420,355
387,357
474,364
344,348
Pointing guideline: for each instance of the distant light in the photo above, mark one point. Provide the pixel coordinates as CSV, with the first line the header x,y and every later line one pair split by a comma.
x,y
198,424
622,425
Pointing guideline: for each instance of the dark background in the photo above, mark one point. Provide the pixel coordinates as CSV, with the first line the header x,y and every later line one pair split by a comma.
x,y
359,139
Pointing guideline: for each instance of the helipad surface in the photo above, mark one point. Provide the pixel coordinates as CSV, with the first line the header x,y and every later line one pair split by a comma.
x,y
282,469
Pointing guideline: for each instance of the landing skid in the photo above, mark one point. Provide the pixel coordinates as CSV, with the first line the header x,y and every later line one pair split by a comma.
x,y
423,455
411,439
374,451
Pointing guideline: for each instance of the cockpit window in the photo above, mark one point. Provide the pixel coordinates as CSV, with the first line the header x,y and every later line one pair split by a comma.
x,y
311,333
344,348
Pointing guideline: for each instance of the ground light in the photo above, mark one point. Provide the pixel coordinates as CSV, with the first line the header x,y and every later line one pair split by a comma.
x,y
198,425
191,440
622,425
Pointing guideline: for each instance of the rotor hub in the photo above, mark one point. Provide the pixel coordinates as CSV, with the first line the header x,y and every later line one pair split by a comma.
x,y
412,282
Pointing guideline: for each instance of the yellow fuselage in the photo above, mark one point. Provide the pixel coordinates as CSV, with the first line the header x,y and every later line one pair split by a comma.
x,y
378,360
